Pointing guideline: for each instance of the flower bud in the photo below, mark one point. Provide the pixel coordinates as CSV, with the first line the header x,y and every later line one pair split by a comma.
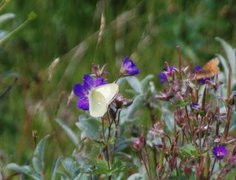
x,y
139,143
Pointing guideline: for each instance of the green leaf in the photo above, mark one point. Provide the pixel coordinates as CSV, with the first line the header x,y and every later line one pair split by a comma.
x,y
129,112
135,84
55,168
84,162
38,156
168,118
145,81
230,53
89,127
63,175
27,170
6,17
119,167
224,64
71,167
231,174
101,167
188,150
183,103
9,74
136,176
72,136
83,176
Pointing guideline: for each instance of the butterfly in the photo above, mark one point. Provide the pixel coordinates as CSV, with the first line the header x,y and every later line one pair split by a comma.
x,y
100,98
210,69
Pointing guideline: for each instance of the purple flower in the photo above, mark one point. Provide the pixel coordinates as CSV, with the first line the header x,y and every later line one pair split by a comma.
x,y
219,152
195,106
129,68
203,80
82,90
168,71
197,69
163,77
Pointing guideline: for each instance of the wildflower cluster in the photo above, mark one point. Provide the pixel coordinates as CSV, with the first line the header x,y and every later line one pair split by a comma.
x,y
183,131
198,137
190,142
201,121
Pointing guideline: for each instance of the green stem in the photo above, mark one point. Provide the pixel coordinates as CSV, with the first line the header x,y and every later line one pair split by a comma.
x,y
145,165
227,125
188,121
228,116
4,3
152,117
180,61
106,140
31,16
212,169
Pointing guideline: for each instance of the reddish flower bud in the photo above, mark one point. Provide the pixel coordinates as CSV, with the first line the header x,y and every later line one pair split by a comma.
x,y
139,143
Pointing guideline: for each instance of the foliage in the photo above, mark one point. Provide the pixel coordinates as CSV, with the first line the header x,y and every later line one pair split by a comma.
x,y
187,140
42,61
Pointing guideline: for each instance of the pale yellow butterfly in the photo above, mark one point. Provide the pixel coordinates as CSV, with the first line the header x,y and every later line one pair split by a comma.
x,y
100,98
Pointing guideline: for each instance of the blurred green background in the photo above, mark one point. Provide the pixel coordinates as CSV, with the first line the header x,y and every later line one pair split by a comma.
x,y
33,94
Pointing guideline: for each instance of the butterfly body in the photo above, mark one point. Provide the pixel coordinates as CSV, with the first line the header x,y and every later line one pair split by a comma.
x,y
209,70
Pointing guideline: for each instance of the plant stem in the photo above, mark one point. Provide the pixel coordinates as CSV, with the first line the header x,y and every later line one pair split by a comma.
x,y
180,61
227,125
152,117
188,121
21,26
212,169
228,116
106,140
145,165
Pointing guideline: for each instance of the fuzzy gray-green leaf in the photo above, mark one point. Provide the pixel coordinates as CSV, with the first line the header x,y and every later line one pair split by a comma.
x,y
129,112
224,64
89,127
71,167
55,168
27,170
230,53
38,156
72,136
135,84
145,81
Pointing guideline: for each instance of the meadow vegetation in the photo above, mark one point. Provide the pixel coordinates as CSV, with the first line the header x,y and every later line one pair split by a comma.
x,y
48,46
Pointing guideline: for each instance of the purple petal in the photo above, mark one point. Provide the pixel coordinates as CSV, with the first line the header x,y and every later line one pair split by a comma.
x,y
88,82
204,80
129,68
170,69
195,106
219,152
83,103
163,77
100,81
133,71
79,90
197,69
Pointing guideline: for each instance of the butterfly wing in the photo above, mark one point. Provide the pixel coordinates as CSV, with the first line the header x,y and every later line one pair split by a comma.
x,y
210,69
97,104
108,91
100,98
